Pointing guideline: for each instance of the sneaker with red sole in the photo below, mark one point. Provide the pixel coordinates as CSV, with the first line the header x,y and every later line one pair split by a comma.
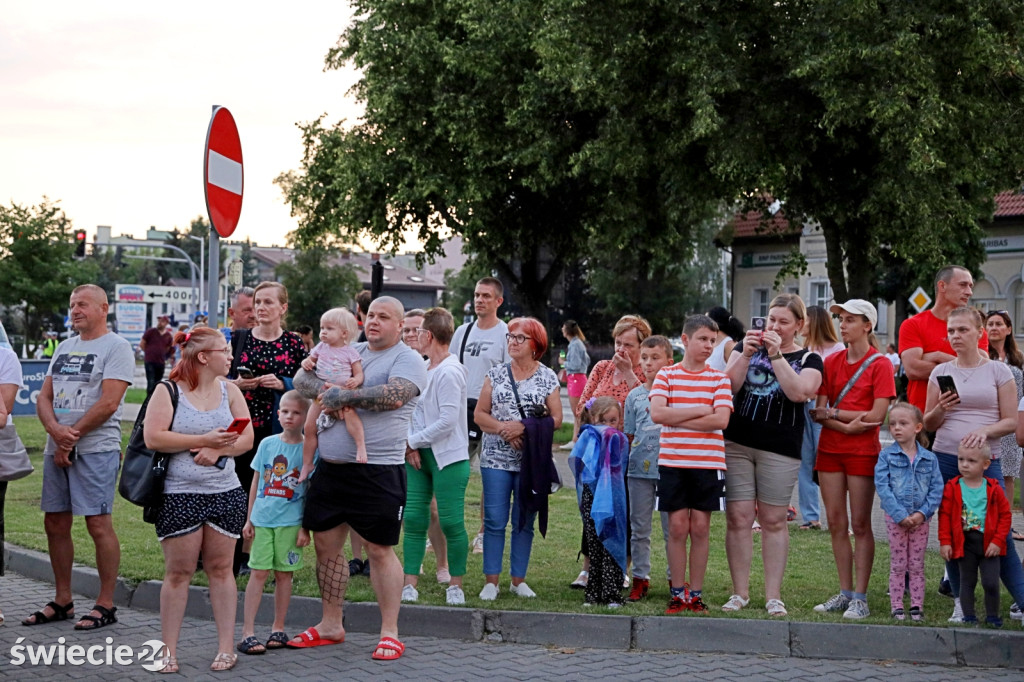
x,y
640,588
697,605
676,605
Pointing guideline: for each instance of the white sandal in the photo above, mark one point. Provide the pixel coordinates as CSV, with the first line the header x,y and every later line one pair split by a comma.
x,y
735,603
581,581
776,608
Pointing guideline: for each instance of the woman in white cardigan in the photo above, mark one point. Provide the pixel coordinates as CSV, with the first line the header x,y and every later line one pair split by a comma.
x,y
437,459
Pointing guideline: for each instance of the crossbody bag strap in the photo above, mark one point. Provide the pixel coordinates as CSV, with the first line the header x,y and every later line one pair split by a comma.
x,y
853,379
515,391
465,338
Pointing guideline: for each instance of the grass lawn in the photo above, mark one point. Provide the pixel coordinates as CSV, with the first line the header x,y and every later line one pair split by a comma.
x,y
135,395
810,576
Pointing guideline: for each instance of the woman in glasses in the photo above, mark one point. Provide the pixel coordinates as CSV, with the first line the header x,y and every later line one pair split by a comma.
x,y
1003,347
512,392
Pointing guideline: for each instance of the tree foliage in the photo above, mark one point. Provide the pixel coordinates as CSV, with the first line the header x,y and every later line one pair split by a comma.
x,y
39,270
315,285
555,131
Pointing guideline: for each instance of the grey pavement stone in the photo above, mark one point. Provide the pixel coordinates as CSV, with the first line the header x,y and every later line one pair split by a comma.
x,y
562,629
702,633
847,640
991,647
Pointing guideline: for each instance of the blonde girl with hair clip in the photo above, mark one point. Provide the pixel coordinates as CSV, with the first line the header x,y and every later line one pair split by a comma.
x,y
337,363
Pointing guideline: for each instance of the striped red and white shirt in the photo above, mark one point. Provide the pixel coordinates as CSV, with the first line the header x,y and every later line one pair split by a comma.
x,y
684,448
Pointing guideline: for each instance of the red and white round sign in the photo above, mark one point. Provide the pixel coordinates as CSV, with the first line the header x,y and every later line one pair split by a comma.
x,y
222,172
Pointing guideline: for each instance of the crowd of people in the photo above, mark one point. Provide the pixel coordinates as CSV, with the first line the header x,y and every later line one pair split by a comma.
x,y
372,442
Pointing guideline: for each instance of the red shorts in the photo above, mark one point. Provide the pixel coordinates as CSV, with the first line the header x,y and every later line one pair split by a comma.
x,y
851,465
575,384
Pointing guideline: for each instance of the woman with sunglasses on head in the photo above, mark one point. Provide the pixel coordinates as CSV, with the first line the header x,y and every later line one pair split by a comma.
x,y
510,391
1003,347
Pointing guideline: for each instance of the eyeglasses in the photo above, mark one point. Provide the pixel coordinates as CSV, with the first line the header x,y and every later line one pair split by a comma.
x,y
218,350
518,338
997,312
421,329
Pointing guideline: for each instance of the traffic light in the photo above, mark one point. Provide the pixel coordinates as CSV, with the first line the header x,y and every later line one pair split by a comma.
x,y
79,244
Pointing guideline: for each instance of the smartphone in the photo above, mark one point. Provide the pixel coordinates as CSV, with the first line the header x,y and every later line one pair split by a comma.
x,y
221,461
758,323
245,373
73,455
237,426
946,384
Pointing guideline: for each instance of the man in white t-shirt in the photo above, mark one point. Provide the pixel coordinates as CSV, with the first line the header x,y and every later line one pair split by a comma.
x,y
80,408
480,345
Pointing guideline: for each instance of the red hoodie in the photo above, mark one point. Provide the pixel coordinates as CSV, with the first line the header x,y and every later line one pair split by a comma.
x,y
997,517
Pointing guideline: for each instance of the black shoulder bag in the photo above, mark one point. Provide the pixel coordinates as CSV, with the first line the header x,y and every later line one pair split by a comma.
x,y
144,470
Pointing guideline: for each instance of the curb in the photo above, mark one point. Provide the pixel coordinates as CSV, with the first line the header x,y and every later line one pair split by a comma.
x,y
941,646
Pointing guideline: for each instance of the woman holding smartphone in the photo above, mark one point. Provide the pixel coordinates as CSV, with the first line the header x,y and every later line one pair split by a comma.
x,y
972,400
204,507
268,358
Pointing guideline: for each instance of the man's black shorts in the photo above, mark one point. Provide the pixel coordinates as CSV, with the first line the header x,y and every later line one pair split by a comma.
x,y
370,498
700,489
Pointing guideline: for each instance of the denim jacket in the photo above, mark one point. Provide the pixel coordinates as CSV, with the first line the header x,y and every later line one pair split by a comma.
x,y
904,487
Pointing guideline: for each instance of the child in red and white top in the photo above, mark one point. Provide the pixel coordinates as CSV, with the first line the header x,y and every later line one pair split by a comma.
x,y
693,403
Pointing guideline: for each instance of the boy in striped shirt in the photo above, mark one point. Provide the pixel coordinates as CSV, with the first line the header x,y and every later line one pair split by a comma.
x,y
692,402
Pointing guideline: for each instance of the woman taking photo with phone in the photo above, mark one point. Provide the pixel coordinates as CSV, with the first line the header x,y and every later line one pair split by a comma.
x,y
772,379
972,400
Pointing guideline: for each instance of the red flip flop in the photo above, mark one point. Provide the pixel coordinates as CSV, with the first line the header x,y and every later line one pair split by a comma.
x,y
310,638
389,644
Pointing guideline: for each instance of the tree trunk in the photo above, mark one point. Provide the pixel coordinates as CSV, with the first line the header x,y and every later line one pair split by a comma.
x,y
835,263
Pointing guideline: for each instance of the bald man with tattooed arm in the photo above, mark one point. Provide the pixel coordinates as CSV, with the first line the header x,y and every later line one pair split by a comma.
x,y
367,498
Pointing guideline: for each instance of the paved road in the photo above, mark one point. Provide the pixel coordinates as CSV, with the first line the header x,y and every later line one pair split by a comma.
x,y
425,658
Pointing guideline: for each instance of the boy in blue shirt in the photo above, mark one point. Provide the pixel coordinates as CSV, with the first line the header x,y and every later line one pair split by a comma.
x,y
275,523
642,477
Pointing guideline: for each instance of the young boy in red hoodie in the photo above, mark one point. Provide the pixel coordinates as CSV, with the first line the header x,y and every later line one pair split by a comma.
x,y
974,522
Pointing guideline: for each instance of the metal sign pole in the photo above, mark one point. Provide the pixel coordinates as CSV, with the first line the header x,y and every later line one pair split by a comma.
x,y
214,276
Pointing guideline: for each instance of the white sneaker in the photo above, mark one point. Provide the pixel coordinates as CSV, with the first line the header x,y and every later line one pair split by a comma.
x,y
455,596
858,609
409,594
522,590
490,592
839,602
443,576
735,603
478,544
1015,613
958,612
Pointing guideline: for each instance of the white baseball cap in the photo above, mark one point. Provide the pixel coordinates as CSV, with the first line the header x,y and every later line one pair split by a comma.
x,y
857,306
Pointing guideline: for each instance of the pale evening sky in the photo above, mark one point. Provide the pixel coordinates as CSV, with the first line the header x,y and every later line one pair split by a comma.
x,y
105,105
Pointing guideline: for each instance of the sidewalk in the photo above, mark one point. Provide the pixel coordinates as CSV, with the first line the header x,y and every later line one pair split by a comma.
x,y
460,643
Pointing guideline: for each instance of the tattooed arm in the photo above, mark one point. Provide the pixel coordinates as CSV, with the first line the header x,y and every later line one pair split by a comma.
x,y
379,398
308,384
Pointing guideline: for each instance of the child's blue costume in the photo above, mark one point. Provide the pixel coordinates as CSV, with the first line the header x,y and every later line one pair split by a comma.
x,y
598,461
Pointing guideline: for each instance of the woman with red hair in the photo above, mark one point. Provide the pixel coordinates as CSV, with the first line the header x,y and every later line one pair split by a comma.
x,y
204,506
510,394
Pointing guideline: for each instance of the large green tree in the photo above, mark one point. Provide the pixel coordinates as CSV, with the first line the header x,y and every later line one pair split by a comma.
x,y
39,270
462,133
889,124
315,285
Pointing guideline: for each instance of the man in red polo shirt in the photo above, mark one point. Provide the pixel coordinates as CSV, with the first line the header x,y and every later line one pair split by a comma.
x,y
923,339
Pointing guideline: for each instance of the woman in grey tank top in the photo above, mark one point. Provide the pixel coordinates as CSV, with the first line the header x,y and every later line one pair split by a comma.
x,y
204,506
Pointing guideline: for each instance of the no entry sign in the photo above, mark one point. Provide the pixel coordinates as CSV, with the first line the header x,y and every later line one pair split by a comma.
x,y
222,172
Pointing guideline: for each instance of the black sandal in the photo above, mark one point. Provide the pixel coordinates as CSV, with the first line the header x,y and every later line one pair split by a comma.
x,y
247,646
59,613
277,640
107,617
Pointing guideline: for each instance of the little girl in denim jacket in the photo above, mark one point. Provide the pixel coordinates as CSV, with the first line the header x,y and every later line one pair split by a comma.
x,y
909,487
